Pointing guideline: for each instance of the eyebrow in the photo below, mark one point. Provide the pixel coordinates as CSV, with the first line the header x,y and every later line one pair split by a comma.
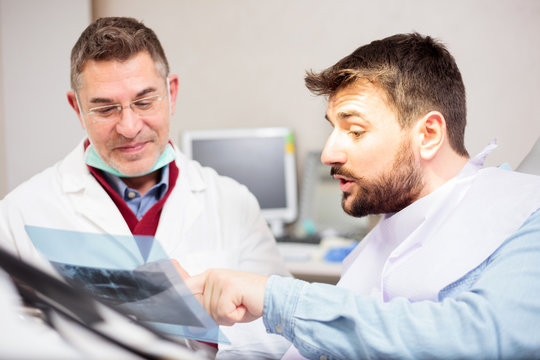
x,y
100,100
343,115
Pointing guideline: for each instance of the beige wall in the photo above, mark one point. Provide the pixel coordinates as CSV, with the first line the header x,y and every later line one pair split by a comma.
x,y
241,62
39,127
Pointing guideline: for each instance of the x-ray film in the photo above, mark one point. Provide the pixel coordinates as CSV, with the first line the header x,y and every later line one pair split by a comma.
x,y
132,274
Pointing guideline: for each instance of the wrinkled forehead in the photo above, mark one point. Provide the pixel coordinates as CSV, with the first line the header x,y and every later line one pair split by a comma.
x,y
114,67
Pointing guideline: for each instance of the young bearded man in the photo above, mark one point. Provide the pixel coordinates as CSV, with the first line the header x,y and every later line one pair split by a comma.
x,y
451,270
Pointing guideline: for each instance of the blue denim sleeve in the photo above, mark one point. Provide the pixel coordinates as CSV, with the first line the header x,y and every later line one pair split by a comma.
x,y
491,313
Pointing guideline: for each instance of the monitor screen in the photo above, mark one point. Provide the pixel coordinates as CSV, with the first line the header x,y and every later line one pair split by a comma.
x,y
263,159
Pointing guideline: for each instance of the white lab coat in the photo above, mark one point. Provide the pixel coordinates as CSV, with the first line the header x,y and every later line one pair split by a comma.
x,y
207,221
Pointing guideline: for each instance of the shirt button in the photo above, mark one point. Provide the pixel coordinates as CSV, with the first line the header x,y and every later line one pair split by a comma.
x,y
323,357
131,194
279,330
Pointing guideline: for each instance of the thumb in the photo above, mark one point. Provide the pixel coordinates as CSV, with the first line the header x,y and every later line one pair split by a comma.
x,y
196,283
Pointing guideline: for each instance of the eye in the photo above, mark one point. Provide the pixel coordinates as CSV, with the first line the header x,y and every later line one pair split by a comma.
x,y
105,110
146,103
143,104
356,133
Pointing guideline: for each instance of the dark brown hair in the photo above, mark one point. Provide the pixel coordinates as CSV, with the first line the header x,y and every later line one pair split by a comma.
x,y
416,72
115,38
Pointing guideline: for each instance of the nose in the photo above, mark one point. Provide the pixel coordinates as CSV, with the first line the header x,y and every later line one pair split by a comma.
x,y
129,124
333,153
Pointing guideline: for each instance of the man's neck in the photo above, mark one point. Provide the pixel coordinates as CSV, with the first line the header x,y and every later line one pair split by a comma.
x,y
441,169
142,183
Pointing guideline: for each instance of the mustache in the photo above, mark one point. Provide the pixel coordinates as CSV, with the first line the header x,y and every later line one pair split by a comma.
x,y
340,170
121,140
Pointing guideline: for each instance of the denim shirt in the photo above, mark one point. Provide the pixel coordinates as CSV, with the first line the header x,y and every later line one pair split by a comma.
x,y
493,312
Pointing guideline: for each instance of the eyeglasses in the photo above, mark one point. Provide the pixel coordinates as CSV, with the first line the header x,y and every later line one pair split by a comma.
x,y
109,113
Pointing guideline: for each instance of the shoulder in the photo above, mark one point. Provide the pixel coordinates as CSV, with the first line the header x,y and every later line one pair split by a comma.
x,y
202,178
48,181
222,193
520,253
528,233
522,247
513,191
499,176
37,184
519,194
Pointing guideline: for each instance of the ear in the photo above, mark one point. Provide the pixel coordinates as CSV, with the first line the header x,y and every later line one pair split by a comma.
x,y
431,131
173,91
72,100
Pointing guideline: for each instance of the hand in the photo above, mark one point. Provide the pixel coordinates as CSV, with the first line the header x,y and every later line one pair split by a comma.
x,y
229,296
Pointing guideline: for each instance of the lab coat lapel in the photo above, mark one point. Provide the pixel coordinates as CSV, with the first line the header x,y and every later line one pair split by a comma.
x,y
183,207
89,199
97,206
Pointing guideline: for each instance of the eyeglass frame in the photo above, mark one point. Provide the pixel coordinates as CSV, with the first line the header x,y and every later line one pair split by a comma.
x,y
119,108
130,105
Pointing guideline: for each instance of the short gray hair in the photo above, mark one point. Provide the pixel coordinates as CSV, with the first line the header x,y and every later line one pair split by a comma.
x,y
115,38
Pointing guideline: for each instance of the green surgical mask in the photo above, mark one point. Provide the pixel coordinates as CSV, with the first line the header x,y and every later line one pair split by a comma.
x,y
92,158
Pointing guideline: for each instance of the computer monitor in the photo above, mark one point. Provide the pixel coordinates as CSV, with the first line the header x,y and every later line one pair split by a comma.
x,y
263,159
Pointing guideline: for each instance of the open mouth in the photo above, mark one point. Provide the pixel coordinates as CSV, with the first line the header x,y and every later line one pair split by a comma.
x,y
345,183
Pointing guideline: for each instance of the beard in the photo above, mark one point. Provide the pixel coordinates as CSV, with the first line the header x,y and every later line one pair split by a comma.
x,y
391,192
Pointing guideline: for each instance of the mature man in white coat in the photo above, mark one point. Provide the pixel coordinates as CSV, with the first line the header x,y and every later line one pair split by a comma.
x,y
128,177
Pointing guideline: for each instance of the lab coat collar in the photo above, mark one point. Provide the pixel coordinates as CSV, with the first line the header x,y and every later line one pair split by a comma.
x,y
73,171
189,173
184,205
92,201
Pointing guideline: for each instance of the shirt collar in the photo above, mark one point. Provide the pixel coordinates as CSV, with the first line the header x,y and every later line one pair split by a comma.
x,y
123,190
